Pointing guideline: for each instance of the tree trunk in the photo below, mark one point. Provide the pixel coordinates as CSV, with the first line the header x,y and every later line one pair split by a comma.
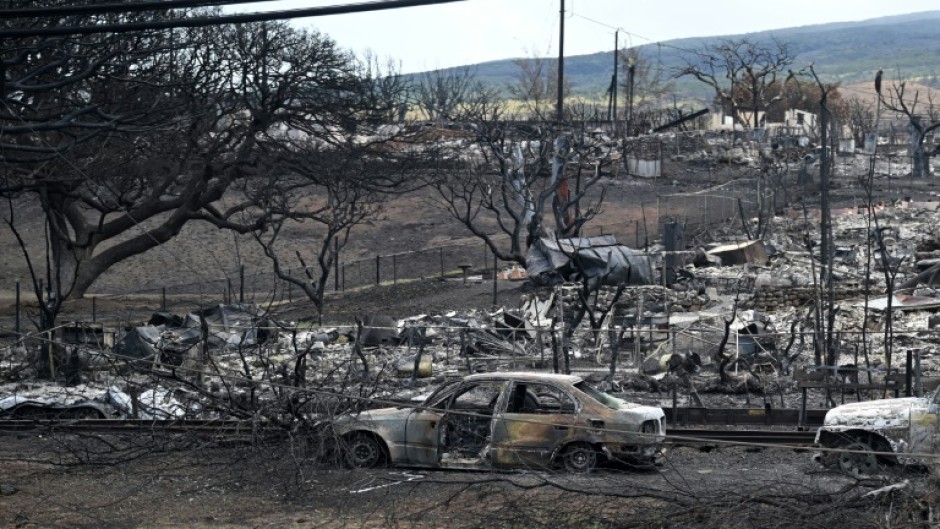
x,y
920,162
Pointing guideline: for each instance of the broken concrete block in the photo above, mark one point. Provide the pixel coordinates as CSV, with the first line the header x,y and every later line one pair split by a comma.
x,y
406,366
741,253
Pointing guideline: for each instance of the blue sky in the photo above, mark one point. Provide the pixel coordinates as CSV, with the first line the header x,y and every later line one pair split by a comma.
x,y
472,31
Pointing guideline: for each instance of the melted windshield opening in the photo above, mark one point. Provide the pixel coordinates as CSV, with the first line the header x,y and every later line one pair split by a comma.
x,y
610,401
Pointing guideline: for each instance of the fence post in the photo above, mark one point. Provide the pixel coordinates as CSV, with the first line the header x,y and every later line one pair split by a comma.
x,y
241,284
495,270
17,309
228,290
484,256
394,268
442,262
378,269
94,308
163,300
290,288
344,277
49,338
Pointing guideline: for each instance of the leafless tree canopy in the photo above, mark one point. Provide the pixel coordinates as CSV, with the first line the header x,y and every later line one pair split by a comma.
x,y
922,119
732,67
536,87
448,94
509,184
114,134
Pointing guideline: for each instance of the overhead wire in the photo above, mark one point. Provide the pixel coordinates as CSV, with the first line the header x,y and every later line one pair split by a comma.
x,y
204,21
128,7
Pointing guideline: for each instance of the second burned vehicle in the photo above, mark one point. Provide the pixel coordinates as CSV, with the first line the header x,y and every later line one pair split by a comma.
x,y
528,420
879,432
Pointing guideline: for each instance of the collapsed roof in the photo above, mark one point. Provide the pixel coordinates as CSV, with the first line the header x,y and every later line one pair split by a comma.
x,y
599,259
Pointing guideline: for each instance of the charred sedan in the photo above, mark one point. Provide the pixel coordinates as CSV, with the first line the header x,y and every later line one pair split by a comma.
x,y
899,427
505,420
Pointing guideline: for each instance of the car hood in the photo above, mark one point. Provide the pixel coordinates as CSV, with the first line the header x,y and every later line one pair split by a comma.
x,y
630,412
877,414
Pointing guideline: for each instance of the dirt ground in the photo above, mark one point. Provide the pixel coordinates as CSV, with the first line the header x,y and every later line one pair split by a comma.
x,y
203,485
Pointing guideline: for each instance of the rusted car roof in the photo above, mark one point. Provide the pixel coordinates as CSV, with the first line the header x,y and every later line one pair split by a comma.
x,y
524,375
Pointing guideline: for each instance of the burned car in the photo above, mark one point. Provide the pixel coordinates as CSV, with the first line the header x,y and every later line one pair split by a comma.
x,y
880,432
505,420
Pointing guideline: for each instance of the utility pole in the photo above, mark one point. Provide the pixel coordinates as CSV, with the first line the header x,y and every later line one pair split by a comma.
x,y
561,62
613,83
630,74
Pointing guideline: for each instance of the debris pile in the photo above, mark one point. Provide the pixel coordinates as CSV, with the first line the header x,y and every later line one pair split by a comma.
x,y
739,316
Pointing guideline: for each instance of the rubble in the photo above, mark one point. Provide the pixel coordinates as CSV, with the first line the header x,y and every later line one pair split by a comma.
x,y
642,337
598,260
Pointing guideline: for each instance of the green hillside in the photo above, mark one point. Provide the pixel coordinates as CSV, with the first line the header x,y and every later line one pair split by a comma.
x,y
843,51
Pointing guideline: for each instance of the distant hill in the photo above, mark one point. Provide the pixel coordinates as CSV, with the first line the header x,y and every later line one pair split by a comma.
x,y
849,52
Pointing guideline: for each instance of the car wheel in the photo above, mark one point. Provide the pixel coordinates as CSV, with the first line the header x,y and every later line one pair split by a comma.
x,y
364,451
858,464
829,459
579,458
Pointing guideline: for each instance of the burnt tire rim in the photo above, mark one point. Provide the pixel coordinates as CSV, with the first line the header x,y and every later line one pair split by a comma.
x,y
579,459
363,452
857,464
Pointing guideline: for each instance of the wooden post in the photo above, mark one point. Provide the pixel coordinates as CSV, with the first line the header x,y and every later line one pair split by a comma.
x,y
674,241
394,268
561,64
241,284
675,404
801,424
613,84
495,266
17,309
94,307
378,269
909,373
51,357
442,262
163,300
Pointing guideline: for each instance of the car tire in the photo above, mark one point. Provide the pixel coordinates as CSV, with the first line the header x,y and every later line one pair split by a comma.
x,y
579,458
364,451
858,464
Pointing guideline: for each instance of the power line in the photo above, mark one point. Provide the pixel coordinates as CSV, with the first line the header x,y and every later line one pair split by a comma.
x,y
632,34
203,21
132,7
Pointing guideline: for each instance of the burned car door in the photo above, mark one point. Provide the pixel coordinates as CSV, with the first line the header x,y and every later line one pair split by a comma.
x,y
466,429
422,431
539,418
